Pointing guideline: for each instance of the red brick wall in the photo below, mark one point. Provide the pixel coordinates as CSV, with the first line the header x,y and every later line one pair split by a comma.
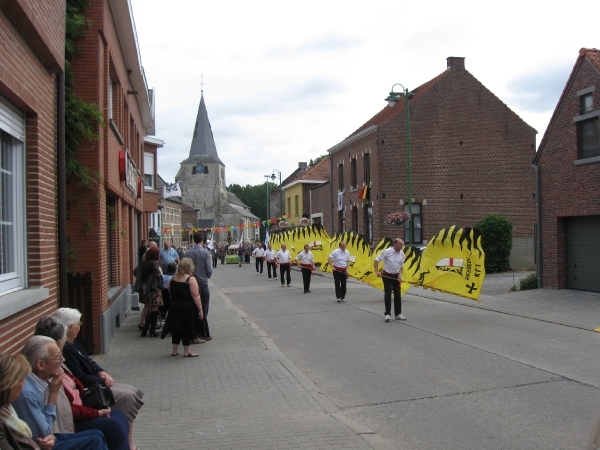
x,y
100,61
567,190
464,140
32,35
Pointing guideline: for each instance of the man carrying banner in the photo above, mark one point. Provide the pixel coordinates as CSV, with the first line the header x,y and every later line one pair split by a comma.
x,y
271,262
307,266
284,261
391,274
338,260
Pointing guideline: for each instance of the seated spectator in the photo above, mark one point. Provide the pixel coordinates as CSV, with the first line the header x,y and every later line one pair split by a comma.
x,y
127,398
44,358
112,423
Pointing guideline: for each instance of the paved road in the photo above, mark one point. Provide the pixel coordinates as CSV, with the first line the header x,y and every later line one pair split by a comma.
x,y
287,370
451,377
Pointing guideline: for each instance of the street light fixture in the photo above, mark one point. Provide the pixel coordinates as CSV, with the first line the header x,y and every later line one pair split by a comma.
x,y
267,184
280,191
392,99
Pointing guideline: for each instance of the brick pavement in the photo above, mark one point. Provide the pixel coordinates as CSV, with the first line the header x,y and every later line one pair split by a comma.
x,y
241,393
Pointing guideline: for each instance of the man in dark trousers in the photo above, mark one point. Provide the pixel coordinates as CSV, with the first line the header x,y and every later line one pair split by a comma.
x,y
202,272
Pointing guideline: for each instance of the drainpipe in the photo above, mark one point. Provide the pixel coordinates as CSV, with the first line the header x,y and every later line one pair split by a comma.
x,y
538,205
61,190
331,191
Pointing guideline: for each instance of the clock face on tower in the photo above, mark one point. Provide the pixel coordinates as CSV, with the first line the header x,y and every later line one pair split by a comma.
x,y
199,168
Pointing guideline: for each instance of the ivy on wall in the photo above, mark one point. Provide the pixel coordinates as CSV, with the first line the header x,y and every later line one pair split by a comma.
x,y
81,117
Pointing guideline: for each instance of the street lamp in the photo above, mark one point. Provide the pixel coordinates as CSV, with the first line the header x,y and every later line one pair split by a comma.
x,y
267,183
280,191
392,99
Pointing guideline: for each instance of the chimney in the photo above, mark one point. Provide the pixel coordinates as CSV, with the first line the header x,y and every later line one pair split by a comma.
x,y
455,62
302,165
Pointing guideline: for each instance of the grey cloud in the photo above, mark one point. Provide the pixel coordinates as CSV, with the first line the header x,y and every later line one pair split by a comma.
x,y
308,94
329,43
539,91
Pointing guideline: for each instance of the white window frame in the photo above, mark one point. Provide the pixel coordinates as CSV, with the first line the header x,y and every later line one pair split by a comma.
x,y
16,279
149,170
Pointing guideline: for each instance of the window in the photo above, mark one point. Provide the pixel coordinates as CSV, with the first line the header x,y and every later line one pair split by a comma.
x,y
110,99
588,138
369,224
342,221
367,168
417,237
149,170
586,103
12,214
341,176
354,218
289,205
296,205
353,182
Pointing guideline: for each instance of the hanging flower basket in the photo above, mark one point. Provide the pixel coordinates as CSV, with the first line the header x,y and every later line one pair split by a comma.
x,y
397,218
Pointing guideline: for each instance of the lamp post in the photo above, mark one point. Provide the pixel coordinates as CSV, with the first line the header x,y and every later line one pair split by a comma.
x,y
280,191
267,184
392,99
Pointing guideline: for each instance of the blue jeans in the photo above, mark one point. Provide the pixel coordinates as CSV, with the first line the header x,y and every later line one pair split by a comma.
x,y
114,428
84,440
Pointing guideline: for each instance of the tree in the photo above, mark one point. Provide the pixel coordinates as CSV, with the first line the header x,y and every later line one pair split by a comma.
x,y
256,198
317,160
496,240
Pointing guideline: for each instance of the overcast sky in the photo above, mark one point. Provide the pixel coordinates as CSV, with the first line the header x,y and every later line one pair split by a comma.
x,y
285,81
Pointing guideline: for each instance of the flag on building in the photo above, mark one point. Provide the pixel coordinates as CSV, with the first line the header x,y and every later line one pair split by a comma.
x,y
172,190
364,193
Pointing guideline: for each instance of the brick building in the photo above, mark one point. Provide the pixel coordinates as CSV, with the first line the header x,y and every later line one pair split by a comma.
x,y
108,221
470,157
568,164
31,56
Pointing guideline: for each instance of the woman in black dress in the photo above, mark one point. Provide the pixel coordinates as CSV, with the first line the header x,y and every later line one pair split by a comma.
x,y
185,309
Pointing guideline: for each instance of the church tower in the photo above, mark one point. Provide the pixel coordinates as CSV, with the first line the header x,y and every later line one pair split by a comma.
x,y
201,178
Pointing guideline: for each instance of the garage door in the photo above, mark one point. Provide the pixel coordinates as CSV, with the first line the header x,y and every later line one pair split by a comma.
x,y
583,253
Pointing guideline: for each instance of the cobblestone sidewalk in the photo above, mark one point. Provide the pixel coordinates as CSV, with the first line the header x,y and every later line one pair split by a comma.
x,y
241,393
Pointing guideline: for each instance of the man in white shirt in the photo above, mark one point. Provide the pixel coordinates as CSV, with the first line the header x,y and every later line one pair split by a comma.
x,y
307,265
338,260
393,262
259,255
283,258
271,262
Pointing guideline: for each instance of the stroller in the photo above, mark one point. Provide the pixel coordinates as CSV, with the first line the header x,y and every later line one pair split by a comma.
x,y
166,294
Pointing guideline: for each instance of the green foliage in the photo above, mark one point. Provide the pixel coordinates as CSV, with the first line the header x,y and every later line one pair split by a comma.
x,y
497,242
529,282
81,118
317,160
254,196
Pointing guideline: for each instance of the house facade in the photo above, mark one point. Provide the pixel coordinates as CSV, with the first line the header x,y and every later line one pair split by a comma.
x,y
568,166
33,62
298,196
470,158
108,220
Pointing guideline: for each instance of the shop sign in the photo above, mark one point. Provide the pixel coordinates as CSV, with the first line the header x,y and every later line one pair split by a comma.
x,y
128,171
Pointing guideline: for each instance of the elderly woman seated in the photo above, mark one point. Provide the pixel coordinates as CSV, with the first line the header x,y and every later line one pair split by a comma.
x,y
72,414
31,417
127,398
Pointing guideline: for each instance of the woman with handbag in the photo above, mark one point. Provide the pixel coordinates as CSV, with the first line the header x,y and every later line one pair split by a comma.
x,y
185,309
127,398
112,423
152,285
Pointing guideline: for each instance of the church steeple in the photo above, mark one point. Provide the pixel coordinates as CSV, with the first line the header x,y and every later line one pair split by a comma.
x,y
203,148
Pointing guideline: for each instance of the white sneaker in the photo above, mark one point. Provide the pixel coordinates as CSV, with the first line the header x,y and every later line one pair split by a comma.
x,y
400,317
256,273
387,317
261,274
